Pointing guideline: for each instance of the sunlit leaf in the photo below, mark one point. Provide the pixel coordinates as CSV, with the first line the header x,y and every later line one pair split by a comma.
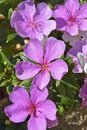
x,y
2,1
11,37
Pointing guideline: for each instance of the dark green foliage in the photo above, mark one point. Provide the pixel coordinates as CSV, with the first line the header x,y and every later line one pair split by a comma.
x,y
64,93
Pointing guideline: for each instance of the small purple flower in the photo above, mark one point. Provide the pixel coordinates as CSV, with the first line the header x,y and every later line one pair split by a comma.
x,y
32,22
79,55
40,109
71,17
83,93
46,62
73,39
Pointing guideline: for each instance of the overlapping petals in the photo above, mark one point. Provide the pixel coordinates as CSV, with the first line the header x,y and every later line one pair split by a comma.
x,y
42,79
38,96
32,22
79,55
72,5
71,17
45,108
53,49
36,105
34,51
45,62
51,123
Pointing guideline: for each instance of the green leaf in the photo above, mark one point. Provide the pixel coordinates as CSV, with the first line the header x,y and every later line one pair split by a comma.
x,y
1,75
23,56
57,83
4,83
69,85
2,1
9,88
5,59
70,81
10,13
26,84
11,37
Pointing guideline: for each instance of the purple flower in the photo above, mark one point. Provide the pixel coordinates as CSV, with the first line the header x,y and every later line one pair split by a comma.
x,y
32,22
73,39
40,109
71,17
83,93
46,62
79,55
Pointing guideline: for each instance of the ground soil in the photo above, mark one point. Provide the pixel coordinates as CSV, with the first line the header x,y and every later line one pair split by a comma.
x,y
73,120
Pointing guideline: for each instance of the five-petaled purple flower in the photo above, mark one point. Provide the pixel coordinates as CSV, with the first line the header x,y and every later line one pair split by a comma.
x,y
71,17
46,62
79,55
42,110
83,93
32,22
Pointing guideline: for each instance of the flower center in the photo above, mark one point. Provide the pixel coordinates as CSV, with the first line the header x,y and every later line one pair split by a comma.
x,y
32,109
37,25
44,66
72,19
33,24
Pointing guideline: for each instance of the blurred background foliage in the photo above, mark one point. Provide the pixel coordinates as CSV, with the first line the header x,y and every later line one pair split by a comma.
x,y
64,93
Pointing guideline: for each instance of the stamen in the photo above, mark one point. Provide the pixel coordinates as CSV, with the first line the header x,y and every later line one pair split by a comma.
x,y
31,109
72,19
44,66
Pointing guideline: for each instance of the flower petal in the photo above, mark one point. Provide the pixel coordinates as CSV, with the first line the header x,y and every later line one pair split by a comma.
x,y
53,49
77,69
35,34
20,28
77,48
84,102
83,34
26,70
16,113
50,25
29,10
60,12
83,91
72,29
34,50
72,6
19,95
52,123
38,123
42,79
38,95
83,25
48,109
82,12
61,24
43,12
16,16
22,5
58,69
19,18
71,39
84,48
